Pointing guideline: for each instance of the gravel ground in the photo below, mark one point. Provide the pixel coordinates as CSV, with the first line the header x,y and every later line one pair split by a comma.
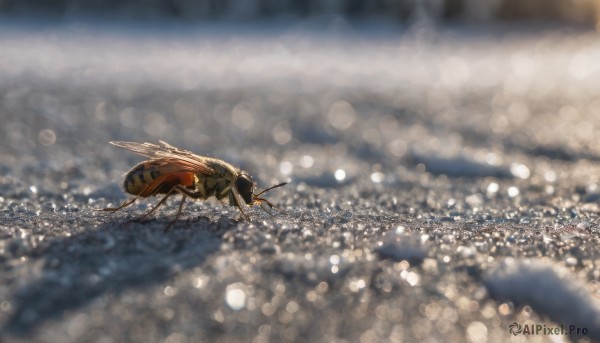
x,y
443,184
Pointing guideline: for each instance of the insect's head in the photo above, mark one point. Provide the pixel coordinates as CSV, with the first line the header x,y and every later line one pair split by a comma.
x,y
245,187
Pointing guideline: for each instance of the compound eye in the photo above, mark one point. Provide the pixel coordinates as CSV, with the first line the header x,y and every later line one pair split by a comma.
x,y
245,186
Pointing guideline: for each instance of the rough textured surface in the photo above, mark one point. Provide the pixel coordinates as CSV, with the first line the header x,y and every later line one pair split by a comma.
x,y
443,184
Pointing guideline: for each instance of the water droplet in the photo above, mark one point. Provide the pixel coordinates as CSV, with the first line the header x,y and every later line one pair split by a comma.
x,y
242,116
477,332
286,168
341,115
520,170
307,161
322,287
474,200
235,297
492,188
199,282
340,174
292,307
334,259
550,176
218,316
397,148
5,306
504,309
357,285
377,177
411,277
47,137
87,190
513,191
268,309
282,133
170,291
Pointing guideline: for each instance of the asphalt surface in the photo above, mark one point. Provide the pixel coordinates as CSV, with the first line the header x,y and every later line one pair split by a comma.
x,y
443,184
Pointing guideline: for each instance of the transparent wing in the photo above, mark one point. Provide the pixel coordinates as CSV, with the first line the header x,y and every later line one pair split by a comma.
x,y
169,157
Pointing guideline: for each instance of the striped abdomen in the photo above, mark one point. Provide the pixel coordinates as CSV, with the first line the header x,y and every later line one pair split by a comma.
x,y
145,180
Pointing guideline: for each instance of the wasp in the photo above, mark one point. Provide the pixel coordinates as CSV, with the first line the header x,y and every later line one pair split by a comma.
x,y
170,170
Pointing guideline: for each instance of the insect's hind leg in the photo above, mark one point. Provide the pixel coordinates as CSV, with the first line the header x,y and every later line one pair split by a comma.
x,y
125,204
178,188
183,197
160,203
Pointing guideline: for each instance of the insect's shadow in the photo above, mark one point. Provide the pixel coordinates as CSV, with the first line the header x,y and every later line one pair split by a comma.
x,y
114,258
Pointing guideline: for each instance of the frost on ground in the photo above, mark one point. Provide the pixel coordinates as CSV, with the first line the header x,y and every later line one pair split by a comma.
x,y
420,163
552,292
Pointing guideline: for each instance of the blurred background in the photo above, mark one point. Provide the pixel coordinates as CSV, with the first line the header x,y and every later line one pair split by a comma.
x,y
578,11
457,87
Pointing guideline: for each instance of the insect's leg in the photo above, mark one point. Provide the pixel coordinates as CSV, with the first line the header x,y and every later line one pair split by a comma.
x,y
265,209
261,200
184,193
183,197
191,194
162,201
125,204
236,202
176,188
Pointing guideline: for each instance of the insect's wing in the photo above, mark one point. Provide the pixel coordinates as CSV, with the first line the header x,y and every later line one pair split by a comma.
x,y
144,149
170,157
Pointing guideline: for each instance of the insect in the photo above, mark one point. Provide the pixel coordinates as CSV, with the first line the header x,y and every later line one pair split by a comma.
x,y
170,170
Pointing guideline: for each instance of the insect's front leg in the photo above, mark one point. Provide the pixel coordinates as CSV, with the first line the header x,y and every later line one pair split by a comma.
x,y
234,200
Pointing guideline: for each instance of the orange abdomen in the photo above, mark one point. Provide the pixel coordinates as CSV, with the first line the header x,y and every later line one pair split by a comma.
x,y
144,180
